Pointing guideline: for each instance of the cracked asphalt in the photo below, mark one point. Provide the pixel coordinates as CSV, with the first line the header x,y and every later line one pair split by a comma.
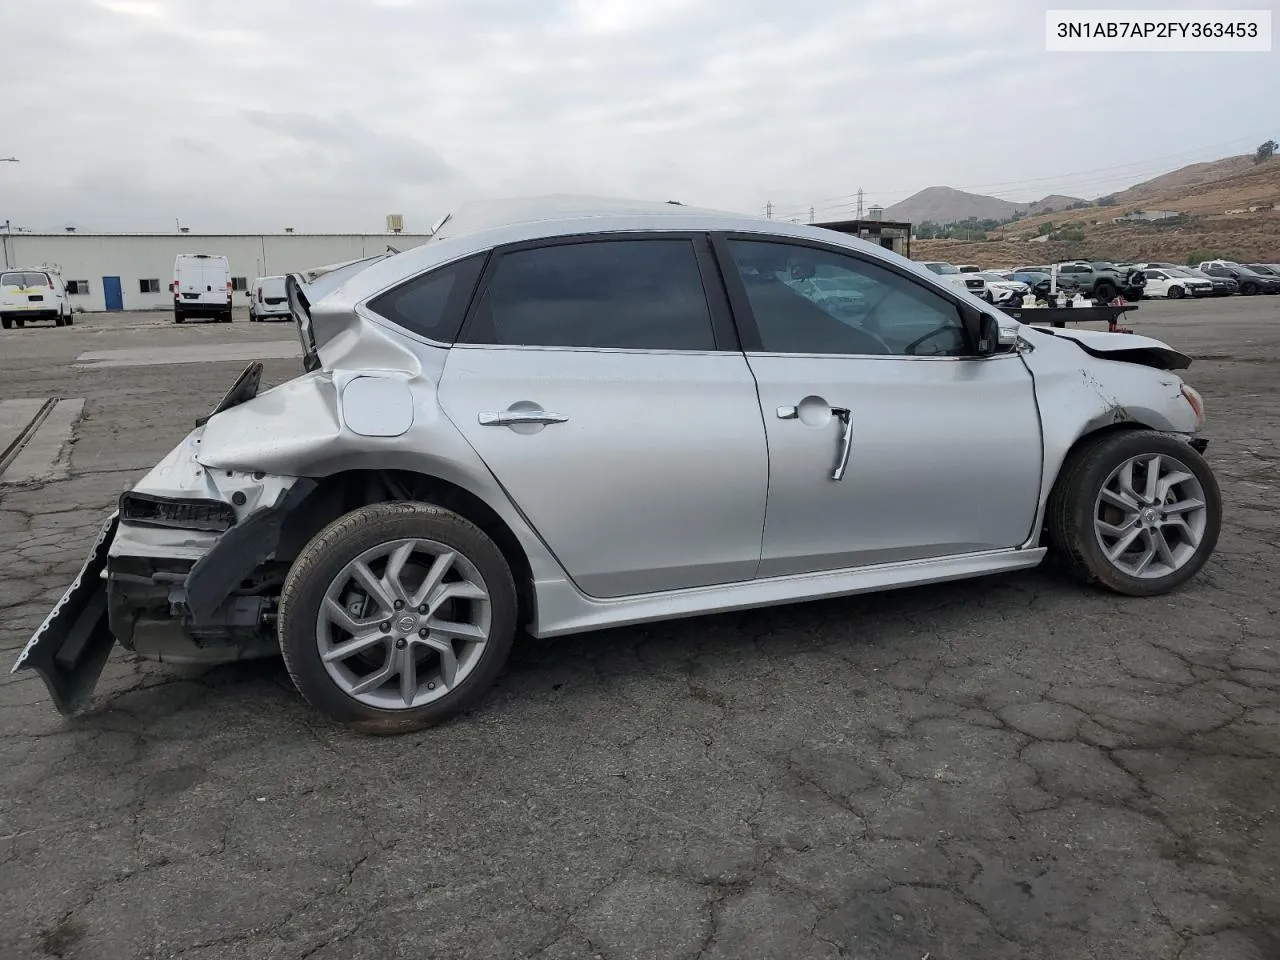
x,y
1011,767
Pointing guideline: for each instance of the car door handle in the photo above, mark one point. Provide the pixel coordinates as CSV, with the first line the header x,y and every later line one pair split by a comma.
x,y
512,418
845,416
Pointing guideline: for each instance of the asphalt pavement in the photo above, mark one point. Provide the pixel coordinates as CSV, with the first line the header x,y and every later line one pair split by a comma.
x,y
1011,767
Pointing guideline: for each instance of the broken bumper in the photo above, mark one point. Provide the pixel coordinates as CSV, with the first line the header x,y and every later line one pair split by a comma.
x,y
71,646
140,599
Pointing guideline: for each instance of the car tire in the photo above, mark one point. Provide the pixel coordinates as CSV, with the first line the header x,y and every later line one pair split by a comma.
x,y
70,319
1082,510
1105,292
1175,293
20,323
178,316
1248,289
57,321
483,597
6,322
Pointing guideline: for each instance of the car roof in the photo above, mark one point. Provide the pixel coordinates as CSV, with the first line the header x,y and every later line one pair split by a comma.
x,y
477,227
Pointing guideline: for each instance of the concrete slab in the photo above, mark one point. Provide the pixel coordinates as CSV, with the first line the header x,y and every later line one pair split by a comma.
x,y
193,353
14,417
47,455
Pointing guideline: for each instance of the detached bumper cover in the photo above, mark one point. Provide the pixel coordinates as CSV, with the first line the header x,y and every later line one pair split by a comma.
x,y
71,647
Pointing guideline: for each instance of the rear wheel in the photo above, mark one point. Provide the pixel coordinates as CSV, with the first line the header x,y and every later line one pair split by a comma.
x,y
1105,292
69,319
1248,289
1137,511
20,322
58,321
6,322
1175,293
396,617
179,316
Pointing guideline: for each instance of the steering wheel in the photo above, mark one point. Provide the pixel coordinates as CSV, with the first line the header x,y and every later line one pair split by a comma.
x,y
910,348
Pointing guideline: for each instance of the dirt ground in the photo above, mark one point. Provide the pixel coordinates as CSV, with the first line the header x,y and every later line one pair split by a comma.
x,y
1011,767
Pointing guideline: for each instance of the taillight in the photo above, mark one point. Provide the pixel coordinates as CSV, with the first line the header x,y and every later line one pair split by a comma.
x,y
259,294
51,283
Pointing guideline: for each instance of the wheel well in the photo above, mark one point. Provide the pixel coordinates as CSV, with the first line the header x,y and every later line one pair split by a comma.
x,y
1083,442
341,493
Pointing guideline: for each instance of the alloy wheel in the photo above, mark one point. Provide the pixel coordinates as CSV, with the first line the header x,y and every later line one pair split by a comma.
x,y
1150,516
403,624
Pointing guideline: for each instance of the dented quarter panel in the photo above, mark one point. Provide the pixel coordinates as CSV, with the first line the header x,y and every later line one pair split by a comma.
x,y
298,430
1079,393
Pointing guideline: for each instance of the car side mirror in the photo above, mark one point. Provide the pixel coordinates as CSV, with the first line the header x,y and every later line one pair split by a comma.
x,y
983,331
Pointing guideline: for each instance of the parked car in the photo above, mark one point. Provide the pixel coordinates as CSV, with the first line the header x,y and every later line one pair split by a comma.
x,y
268,300
494,432
969,268
965,281
1175,285
1103,281
1004,290
35,294
1250,283
1037,281
201,287
1266,269
1222,286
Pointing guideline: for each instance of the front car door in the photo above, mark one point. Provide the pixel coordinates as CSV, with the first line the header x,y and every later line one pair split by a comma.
x,y
601,381
888,440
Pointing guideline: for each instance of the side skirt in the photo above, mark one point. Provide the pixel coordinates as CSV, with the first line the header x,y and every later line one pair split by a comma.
x,y
563,609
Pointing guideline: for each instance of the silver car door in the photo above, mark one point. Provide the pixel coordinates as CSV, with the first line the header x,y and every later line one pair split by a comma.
x,y
887,442
601,382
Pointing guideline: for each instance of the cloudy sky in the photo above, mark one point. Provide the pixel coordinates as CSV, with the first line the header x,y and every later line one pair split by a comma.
x,y
329,114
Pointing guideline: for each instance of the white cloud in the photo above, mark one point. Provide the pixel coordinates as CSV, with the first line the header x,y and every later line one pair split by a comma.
x,y
252,114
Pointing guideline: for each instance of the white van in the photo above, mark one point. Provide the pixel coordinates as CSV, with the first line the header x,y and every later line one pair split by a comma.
x,y
33,295
268,300
201,287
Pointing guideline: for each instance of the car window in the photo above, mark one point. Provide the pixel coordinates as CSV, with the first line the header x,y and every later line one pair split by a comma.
x,y
11,280
600,294
806,300
37,279
1155,275
433,304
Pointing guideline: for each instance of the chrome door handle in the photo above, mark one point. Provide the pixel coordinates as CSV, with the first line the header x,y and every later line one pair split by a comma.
x,y
514,417
846,441
845,416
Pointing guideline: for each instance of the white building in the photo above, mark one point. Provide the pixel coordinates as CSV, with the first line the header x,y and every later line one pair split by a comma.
x,y
132,271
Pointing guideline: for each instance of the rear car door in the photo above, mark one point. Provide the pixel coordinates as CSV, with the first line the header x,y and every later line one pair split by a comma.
x,y
888,439
601,382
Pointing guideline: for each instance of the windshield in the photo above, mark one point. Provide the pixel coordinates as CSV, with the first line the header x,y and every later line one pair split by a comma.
x,y
1030,276
943,268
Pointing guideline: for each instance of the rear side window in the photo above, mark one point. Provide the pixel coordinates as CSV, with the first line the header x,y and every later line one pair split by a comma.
x,y
602,294
11,280
433,304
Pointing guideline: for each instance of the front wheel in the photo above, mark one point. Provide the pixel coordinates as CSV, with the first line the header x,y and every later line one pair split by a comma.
x,y
396,617
1137,511
1175,293
1104,292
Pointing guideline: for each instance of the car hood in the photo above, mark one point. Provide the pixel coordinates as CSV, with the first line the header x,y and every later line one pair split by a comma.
x,y
1126,347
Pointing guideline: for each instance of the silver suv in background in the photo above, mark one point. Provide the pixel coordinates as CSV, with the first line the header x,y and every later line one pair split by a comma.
x,y
559,416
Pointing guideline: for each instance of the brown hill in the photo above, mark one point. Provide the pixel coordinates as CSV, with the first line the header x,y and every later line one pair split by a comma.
x,y
1205,228
1053,202
948,205
1189,176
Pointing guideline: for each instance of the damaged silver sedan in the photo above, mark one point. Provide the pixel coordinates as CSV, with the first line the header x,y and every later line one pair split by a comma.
x,y
564,415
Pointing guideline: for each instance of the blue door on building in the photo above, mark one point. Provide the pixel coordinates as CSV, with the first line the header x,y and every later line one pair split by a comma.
x,y
111,293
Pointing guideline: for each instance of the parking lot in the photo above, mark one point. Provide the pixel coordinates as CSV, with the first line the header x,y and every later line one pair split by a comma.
x,y
1009,767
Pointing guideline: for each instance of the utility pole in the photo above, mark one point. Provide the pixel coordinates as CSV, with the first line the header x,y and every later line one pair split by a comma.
x,y
811,214
768,209
859,203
